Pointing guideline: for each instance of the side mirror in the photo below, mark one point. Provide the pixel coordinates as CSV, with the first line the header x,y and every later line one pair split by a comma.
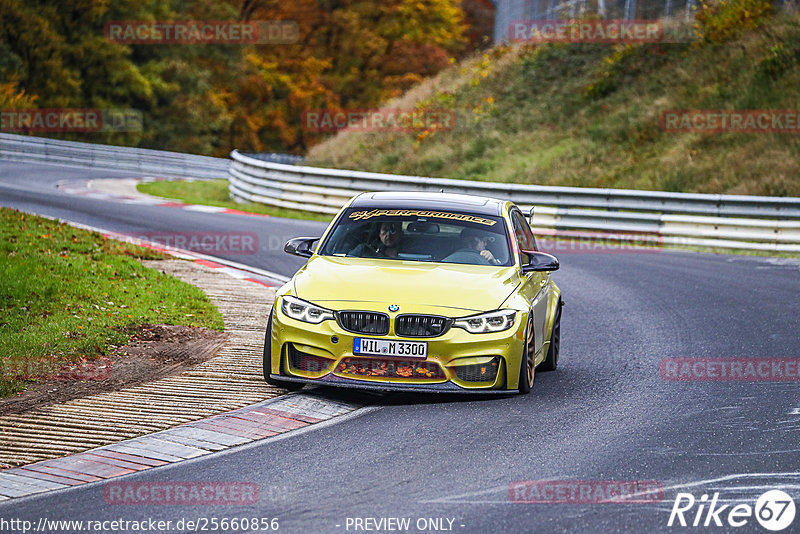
x,y
300,246
540,261
530,216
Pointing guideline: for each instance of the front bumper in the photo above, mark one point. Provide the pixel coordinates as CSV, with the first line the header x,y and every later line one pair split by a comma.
x,y
457,361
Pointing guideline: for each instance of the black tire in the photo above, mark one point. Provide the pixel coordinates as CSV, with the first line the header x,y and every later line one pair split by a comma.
x,y
551,362
527,370
267,365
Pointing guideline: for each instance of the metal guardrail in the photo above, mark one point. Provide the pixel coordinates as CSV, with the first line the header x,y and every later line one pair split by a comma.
x,y
288,159
685,219
722,221
155,162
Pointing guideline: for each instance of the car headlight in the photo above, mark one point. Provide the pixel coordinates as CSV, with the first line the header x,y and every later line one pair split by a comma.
x,y
304,311
484,323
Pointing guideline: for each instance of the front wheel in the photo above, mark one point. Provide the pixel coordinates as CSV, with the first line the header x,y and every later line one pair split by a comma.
x,y
267,365
526,365
551,362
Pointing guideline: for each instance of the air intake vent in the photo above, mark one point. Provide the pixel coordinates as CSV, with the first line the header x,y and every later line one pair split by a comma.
x,y
391,368
362,322
484,372
309,363
421,325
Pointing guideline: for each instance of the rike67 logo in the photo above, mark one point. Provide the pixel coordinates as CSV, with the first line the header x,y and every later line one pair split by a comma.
x,y
774,510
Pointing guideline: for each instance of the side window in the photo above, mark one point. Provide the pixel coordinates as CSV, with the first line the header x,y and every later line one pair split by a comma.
x,y
528,232
523,235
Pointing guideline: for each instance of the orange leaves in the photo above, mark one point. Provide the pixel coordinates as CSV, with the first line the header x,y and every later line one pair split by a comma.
x,y
718,21
405,370
12,98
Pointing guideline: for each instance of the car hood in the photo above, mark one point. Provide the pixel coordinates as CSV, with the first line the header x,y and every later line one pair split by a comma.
x,y
425,287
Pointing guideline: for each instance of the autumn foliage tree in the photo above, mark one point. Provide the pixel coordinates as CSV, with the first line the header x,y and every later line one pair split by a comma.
x,y
350,54
210,98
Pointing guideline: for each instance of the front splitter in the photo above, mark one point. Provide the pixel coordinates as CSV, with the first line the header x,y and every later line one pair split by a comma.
x,y
444,387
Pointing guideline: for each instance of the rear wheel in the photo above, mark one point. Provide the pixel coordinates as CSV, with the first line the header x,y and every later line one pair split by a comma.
x,y
267,365
551,362
526,367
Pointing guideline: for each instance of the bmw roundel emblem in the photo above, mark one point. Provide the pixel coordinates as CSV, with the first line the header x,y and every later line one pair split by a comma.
x,y
393,307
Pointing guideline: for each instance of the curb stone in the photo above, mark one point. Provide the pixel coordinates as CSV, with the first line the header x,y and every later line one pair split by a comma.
x,y
190,440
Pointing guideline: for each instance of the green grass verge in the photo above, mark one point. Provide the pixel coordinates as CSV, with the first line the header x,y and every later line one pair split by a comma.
x,y
67,295
215,193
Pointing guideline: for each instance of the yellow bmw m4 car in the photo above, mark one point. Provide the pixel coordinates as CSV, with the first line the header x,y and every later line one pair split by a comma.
x,y
417,292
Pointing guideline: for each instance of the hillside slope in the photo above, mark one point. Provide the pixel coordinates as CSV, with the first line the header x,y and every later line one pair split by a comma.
x,y
589,114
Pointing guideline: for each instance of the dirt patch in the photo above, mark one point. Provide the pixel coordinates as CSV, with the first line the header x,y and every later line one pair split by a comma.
x,y
154,351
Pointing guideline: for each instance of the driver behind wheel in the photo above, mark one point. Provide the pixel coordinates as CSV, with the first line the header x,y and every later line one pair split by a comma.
x,y
390,236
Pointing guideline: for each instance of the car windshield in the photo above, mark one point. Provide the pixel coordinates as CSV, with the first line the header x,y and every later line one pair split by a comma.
x,y
420,235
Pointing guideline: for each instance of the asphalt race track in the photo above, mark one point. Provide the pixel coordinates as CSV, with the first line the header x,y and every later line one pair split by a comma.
x,y
605,415
32,188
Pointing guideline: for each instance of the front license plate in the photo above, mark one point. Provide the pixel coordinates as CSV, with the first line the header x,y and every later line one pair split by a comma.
x,y
386,347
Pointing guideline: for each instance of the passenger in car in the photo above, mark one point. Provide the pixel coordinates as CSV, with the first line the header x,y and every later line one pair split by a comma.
x,y
390,238
474,251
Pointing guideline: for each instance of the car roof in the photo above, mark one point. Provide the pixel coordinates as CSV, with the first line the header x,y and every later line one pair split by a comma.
x,y
420,200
